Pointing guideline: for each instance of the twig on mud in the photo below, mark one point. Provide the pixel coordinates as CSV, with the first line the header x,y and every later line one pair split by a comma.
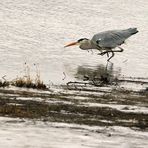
x,y
125,61
97,85
4,82
86,78
79,83
3,77
64,76
70,82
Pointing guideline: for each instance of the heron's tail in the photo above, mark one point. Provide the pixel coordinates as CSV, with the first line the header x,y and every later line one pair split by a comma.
x,y
133,30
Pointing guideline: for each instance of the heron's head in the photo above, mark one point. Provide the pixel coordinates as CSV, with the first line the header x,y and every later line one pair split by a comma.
x,y
81,43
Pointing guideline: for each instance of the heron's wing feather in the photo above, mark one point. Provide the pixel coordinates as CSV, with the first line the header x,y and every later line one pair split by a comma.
x,y
112,38
108,39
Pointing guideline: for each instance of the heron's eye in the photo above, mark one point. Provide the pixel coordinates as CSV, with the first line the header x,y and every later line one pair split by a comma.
x,y
98,41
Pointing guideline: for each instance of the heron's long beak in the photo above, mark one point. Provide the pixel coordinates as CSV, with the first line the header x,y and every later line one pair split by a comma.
x,y
71,44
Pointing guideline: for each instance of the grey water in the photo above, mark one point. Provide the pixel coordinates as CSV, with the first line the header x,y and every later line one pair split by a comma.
x,y
35,32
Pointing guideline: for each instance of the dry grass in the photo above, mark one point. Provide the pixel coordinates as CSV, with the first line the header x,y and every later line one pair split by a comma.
x,y
4,83
29,81
26,80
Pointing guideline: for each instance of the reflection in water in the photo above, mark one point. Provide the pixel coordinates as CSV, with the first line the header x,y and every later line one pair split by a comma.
x,y
100,75
107,75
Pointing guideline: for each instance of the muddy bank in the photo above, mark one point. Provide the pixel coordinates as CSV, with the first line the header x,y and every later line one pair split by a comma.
x,y
96,106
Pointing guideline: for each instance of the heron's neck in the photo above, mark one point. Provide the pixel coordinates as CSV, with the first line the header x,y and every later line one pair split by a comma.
x,y
87,45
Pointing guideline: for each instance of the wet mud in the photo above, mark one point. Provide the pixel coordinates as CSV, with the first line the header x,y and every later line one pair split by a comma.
x,y
89,105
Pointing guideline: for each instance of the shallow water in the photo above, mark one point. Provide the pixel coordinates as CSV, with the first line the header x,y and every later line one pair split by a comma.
x,y
36,31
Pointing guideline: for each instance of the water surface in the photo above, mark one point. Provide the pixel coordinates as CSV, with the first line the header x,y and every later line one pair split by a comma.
x,y
36,31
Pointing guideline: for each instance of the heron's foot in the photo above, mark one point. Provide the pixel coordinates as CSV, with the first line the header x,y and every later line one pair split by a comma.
x,y
107,52
121,49
103,53
100,53
111,51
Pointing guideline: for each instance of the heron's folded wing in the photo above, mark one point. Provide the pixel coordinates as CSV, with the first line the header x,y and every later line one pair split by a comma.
x,y
109,39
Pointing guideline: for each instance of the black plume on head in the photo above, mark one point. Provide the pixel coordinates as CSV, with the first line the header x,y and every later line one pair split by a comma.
x,y
82,39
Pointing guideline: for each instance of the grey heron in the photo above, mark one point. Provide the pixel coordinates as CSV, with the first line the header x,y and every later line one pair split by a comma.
x,y
106,41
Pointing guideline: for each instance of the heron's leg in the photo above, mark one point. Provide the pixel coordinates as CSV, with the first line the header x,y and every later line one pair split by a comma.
x,y
119,50
113,54
103,53
106,52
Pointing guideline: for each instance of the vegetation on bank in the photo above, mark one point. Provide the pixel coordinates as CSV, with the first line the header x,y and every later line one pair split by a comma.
x,y
26,80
